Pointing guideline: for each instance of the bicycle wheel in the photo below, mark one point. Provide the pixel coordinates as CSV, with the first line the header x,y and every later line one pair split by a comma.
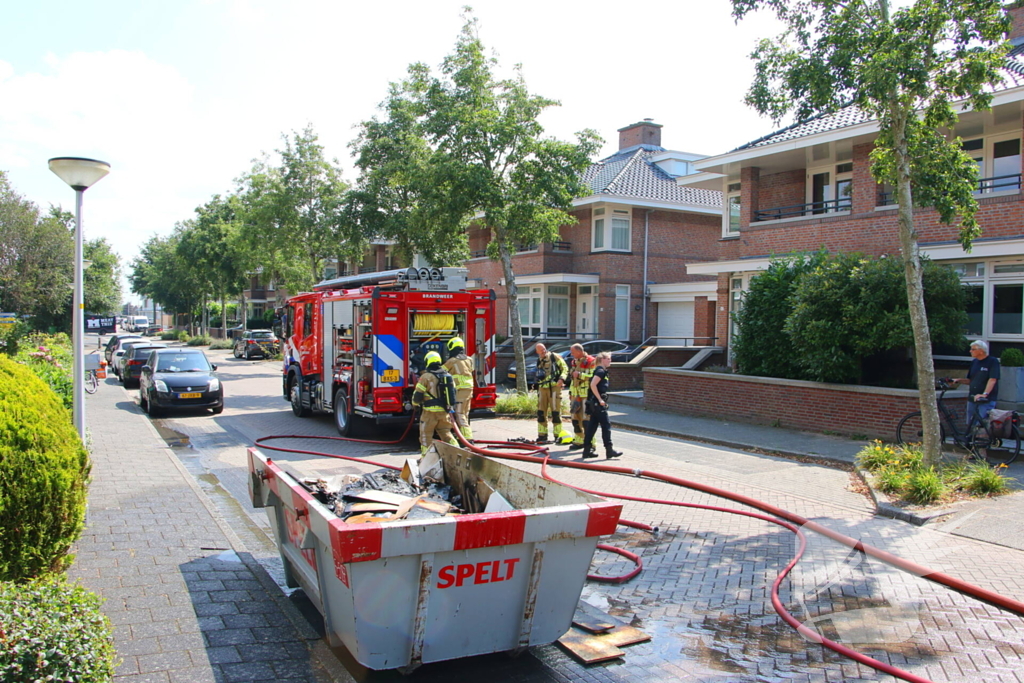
x,y
92,382
911,429
999,451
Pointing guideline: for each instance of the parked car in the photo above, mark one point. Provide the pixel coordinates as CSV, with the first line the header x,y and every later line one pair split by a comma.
x,y
179,379
115,342
255,342
154,330
592,347
133,360
121,354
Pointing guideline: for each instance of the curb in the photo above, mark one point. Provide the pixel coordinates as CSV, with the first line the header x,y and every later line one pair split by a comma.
x,y
885,508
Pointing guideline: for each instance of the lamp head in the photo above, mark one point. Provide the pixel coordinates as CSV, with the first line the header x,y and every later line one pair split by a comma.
x,y
78,172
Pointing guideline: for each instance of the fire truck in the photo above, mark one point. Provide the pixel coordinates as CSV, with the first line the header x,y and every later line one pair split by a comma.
x,y
354,346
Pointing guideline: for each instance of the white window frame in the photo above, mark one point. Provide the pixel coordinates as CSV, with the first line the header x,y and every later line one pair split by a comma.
x,y
987,154
834,179
732,191
602,232
550,296
988,281
619,296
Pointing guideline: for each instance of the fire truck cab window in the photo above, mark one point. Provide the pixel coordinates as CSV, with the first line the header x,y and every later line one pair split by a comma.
x,y
307,320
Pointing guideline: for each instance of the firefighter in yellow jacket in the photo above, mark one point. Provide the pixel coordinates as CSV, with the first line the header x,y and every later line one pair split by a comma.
x,y
581,371
435,394
460,366
552,373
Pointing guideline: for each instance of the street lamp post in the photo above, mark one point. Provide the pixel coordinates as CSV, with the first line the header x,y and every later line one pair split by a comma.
x,y
80,174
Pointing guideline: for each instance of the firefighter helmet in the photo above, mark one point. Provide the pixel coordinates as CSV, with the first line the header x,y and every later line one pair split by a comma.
x,y
456,343
431,358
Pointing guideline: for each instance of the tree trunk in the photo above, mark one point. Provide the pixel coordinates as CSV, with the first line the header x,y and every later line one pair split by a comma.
x,y
915,294
513,310
245,311
223,314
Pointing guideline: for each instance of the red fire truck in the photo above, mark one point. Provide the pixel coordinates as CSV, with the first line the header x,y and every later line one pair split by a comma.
x,y
354,346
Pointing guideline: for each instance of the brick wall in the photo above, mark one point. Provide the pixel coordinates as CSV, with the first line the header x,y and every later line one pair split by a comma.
x,y
814,406
630,377
787,188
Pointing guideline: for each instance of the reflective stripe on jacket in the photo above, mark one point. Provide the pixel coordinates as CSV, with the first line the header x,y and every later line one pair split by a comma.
x,y
461,369
580,386
554,368
425,394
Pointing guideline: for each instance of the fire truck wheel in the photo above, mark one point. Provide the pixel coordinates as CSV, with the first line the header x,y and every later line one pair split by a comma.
x,y
342,420
294,392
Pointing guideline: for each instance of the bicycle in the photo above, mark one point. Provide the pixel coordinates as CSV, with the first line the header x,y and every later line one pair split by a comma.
x,y
92,382
975,438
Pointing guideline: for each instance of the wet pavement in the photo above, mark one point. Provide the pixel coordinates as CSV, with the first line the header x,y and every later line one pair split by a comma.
x,y
704,594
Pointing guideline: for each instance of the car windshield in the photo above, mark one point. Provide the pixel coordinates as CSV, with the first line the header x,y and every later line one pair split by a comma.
x,y
182,362
263,335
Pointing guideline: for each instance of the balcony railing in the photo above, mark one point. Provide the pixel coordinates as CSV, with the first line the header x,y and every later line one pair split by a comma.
x,y
809,209
999,183
563,247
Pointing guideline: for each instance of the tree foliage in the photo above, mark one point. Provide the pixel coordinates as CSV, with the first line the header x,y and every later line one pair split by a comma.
x,y
464,145
102,279
909,68
36,258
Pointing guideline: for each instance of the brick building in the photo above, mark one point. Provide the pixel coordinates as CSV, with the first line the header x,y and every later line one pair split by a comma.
x,y
809,186
607,277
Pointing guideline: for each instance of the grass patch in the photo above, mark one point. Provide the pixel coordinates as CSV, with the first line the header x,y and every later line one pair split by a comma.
x,y
199,340
220,344
514,403
900,472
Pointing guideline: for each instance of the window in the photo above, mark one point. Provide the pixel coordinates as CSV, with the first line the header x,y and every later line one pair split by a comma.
x,y
557,318
732,218
622,312
611,231
1008,308
530,300
831,190
995,306
307,320
844,186
999,163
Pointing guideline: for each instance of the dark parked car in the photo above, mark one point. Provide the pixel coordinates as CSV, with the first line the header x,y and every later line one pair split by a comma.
x,y
255,343
133,360
179,379
120,354
592,347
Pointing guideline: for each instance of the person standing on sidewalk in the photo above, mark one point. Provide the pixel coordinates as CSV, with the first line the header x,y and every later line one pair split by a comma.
x,y
582,370
597,409
984,380
460,366
551,375
435,394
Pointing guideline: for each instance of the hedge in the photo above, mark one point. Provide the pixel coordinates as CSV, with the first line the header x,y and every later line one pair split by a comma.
x,y
44,471
53,631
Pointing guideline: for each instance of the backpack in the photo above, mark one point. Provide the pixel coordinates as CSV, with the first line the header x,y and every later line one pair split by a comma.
x,y
1000,423
445,388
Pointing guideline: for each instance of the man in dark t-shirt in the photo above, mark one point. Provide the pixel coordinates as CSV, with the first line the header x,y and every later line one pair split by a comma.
x,y
983,378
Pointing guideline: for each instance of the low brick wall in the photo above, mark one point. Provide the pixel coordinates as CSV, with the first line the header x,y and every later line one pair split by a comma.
x,y
814,406
630,376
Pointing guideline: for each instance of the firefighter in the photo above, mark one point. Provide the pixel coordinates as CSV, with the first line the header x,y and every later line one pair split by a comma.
x,y
460,366
583,366
551,375
435,394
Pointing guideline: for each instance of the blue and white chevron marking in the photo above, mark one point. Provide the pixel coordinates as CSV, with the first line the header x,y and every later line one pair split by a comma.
x,y
388,354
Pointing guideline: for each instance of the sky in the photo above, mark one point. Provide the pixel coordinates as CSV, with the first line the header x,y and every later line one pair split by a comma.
x,y
181,97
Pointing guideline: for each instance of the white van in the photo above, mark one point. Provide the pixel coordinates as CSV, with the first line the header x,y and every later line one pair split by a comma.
x,y
137,323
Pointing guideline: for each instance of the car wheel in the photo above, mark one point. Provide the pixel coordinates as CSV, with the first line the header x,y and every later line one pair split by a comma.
x,y
234,351
295,396
248,354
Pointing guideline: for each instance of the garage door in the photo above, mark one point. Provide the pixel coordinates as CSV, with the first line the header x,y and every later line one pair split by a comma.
x,y
675,319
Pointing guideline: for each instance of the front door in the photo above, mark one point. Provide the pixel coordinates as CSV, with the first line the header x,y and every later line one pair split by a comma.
x,y
586,312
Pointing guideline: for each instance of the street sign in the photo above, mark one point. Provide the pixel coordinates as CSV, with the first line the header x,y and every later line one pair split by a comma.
x,y
8,318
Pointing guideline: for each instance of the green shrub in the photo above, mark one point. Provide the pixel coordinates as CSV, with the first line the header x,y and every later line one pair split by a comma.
x,y
183,336
221,344
876,455
1012,358
983,480
924,486
514,403
199,340
170,335
891,479
53,631
11,336
43,474
49,357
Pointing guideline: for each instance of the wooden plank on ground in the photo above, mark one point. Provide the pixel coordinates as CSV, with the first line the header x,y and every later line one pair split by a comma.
x,y
621,636
592,619
589,648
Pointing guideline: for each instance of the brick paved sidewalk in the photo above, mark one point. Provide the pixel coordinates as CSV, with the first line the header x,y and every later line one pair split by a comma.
x,y
187,602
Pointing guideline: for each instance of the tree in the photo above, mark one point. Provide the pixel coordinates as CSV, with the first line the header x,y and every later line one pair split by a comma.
x,y
36,256
161,274
906,68
293,212
473,151
102,279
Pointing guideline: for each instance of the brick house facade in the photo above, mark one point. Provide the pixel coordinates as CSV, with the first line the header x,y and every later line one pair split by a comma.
x,y
809,186
591,283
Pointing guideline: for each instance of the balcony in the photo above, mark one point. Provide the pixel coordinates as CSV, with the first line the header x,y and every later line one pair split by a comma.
x,y
999,183
557,247
800,210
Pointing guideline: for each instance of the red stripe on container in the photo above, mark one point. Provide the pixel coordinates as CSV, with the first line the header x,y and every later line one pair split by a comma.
x,y
355,542
487,530
603,519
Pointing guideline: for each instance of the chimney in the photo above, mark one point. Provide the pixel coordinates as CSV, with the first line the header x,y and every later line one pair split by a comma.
x,y
1016,12
645,132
